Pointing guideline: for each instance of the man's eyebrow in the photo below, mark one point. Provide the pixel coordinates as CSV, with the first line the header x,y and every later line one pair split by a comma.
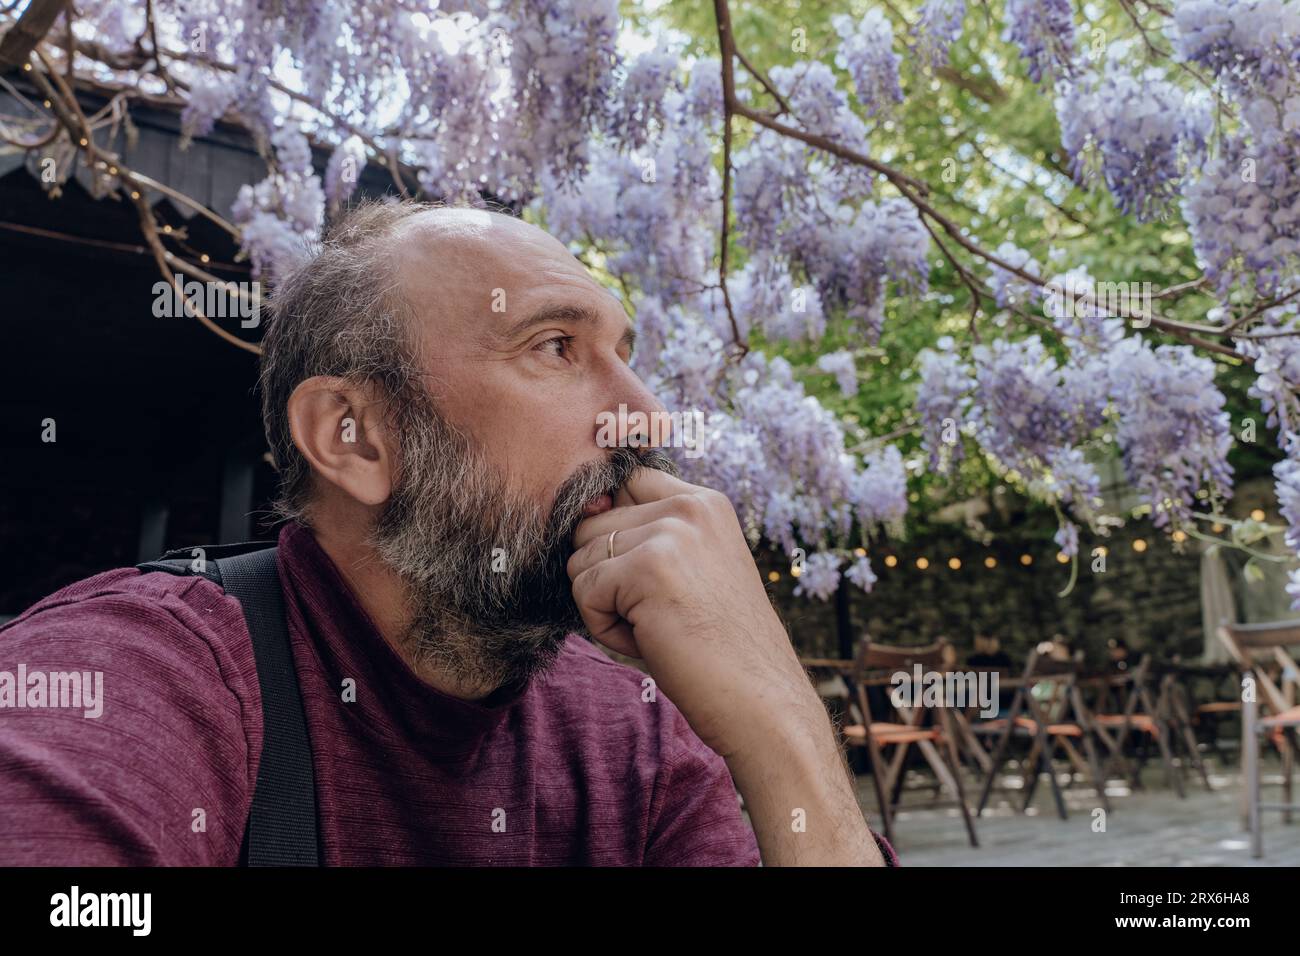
x,y
565,313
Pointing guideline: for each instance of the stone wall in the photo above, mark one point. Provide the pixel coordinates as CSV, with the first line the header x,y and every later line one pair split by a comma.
x,y
1151,598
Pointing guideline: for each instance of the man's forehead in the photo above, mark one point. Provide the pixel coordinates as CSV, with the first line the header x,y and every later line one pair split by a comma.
x,y
477,264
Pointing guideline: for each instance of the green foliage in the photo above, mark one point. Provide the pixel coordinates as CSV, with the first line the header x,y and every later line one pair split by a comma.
x,y
986,141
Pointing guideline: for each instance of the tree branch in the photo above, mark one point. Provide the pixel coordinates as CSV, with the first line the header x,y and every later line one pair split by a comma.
x,y
63,101
34,22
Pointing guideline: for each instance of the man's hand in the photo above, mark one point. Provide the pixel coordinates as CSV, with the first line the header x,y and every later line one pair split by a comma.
x,y
683,593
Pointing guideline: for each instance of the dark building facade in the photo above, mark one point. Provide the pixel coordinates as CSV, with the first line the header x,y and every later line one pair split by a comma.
x,y
157,434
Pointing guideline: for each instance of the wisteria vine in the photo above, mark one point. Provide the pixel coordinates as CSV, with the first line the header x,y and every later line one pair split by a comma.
x,y
725,245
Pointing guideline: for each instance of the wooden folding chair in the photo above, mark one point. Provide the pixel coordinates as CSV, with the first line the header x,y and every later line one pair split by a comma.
x,y
1224,701
1270,710
929,728
965,738
1051,723
1163,719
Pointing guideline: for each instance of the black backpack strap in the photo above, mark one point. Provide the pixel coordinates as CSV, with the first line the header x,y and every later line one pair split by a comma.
x,y
281,827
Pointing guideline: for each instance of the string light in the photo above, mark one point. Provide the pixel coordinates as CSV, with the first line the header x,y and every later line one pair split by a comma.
x,y
1180,536
1026,560
890,561
922,563
1139,545
1216,527
1258,515
795,572
990,563
860,552
1062,557
954,563
774,576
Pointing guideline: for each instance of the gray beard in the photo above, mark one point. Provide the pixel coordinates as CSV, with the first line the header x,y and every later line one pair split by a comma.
x,y
490,599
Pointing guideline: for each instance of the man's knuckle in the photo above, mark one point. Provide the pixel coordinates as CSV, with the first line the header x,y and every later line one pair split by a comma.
x,y
691,507
717,501
587,581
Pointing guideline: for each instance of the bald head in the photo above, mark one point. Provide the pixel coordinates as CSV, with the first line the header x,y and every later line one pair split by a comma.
x,y
471,275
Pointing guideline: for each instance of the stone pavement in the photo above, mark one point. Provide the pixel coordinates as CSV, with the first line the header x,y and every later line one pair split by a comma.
x,y
1148,827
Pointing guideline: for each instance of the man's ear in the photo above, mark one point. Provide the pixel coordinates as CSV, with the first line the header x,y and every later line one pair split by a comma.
x,y
339,428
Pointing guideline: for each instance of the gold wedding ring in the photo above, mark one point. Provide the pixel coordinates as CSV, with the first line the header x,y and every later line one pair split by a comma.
x,y
611,543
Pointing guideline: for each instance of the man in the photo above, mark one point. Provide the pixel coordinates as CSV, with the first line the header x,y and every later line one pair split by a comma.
x,y
432,380
988,655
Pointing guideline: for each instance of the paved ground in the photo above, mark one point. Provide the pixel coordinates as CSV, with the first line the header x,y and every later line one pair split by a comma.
x,y
1149,827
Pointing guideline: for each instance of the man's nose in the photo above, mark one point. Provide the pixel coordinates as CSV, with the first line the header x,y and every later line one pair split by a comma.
x,y
643,420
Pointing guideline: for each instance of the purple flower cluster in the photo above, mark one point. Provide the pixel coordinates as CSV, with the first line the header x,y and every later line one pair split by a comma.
x,y
211,94
1044,31
942,398
867,51
1026,417
1008,288
879,492
1245,42
639,111
279,216
820,576
1067,539
1035,415
343,171
861,574
1276,359
1141,132
1244,211
842,365
562,66
1170,425
1071,302
939,27
850,256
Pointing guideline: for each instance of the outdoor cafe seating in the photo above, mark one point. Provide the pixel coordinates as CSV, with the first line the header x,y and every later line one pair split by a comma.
x,y
1049,714
1073,726
887,741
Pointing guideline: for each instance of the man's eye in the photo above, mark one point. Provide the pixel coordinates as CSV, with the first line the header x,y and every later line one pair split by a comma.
x,y
557,346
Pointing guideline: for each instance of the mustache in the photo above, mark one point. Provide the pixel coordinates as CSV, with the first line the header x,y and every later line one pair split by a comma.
x,y
603,477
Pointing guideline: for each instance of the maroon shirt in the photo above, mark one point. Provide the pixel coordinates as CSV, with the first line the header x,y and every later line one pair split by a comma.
x,y
574,769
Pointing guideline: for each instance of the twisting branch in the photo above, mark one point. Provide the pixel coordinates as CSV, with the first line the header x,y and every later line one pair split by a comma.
x,y
1180,288
899,179
764,82
64,103
153,39
1260,309
728,47
55,127
964,274
33,23
194,204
